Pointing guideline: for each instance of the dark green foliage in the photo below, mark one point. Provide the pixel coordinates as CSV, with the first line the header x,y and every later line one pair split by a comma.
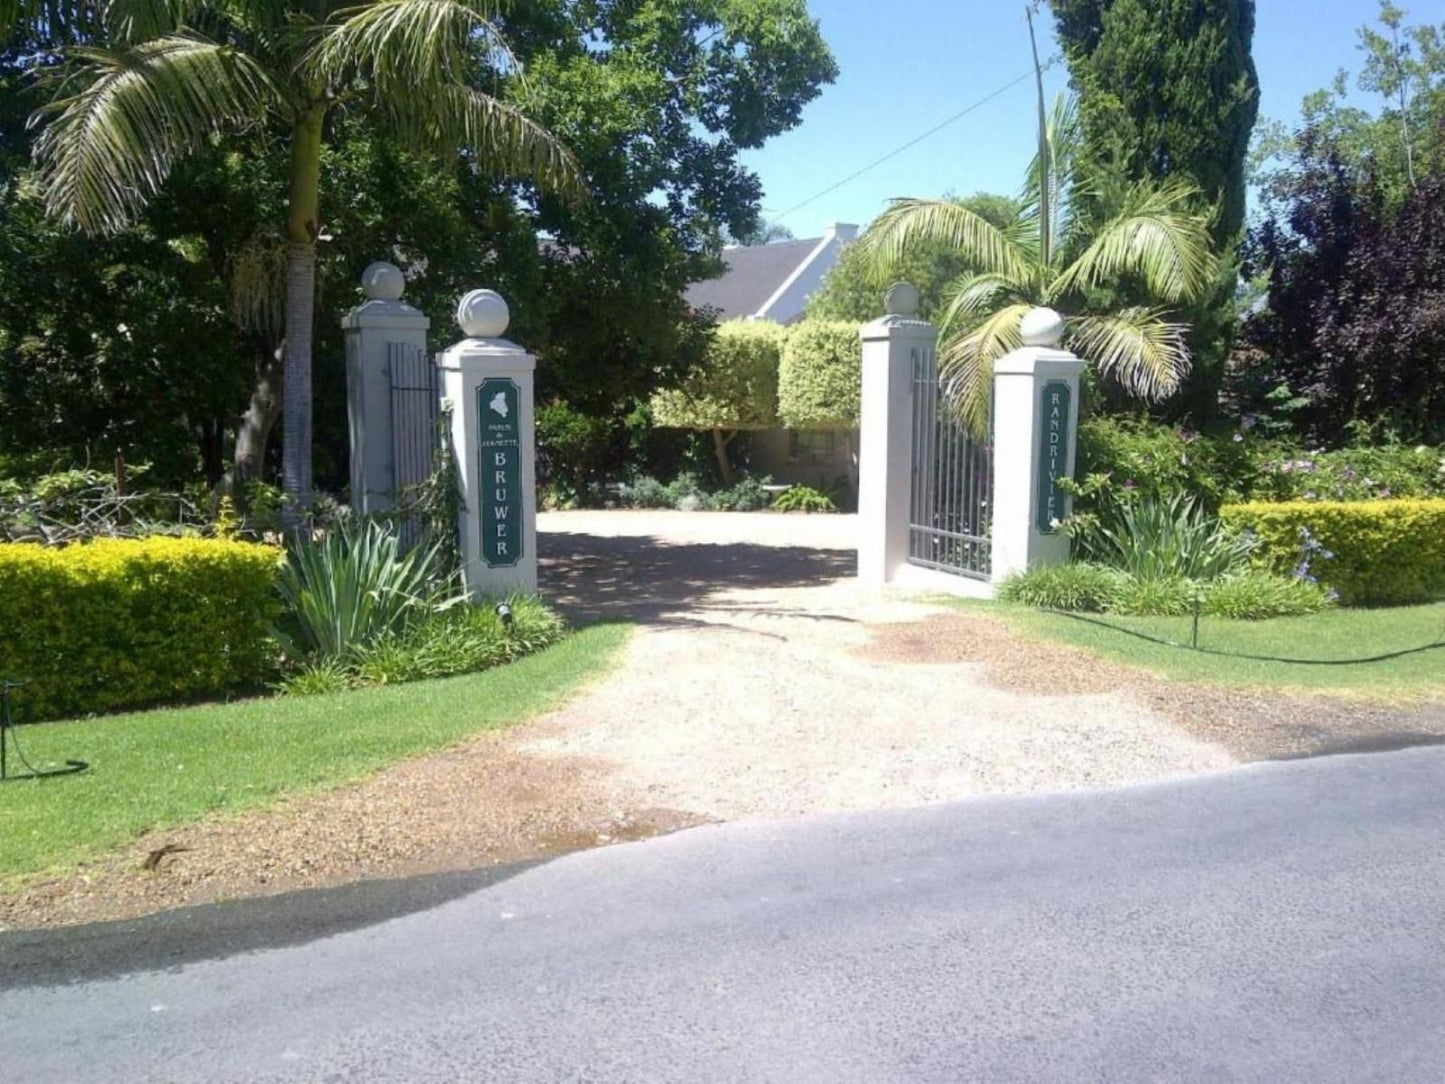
x,y
572,450
1123,459
664,110
1356,317
1167,87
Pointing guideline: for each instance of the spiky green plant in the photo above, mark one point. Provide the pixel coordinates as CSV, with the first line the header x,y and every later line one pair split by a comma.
x,y
1156,242
1155,538
347,590
151,83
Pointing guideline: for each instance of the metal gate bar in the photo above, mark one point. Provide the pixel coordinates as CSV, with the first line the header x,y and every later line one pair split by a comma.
x,y
952,491
415,406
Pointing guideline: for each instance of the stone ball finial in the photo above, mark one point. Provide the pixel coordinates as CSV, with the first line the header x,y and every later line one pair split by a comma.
x,y
1042,327
483,314
901,300
382,281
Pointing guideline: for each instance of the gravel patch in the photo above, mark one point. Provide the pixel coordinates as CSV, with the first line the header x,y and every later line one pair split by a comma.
x,y
1251,725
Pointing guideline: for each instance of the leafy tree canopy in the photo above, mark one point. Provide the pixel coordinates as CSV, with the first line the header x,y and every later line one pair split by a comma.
x,y
1356,316
655,99
1167,89
1397,144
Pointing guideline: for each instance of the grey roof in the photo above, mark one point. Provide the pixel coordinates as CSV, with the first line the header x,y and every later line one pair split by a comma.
x,y
754,274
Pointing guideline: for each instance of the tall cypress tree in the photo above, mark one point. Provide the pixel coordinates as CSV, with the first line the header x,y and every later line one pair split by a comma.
x,y
1167,87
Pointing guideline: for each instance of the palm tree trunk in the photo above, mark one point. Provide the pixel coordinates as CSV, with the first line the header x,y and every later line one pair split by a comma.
x,y
302,227
253,431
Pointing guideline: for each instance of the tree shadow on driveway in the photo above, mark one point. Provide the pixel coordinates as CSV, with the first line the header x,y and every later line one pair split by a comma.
x,y
654,581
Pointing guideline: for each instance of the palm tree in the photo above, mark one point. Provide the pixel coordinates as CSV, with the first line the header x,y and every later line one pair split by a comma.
x,y
171,76
1155,244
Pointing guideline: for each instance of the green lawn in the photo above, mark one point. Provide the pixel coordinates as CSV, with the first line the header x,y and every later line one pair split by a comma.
x,y
158,769
1333,635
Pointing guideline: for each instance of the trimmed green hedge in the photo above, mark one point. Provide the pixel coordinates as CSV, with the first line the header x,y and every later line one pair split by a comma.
x,y
119,623
820,378
1390,551
735,387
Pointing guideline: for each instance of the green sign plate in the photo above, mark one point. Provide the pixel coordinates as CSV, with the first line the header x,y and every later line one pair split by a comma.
x,y
1053,461
499,475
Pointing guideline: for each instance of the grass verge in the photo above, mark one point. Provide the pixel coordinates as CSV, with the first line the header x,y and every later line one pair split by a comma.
x,y
1340,634
159,769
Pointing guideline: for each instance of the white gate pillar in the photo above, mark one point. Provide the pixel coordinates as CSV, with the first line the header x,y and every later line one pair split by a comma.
x,y
488,381
1036,419
375,332
891,349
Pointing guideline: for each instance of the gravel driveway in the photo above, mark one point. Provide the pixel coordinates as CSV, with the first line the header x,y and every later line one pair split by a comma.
x,y
765,682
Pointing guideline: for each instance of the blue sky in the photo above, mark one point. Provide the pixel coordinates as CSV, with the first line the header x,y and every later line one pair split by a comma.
x,y
906,65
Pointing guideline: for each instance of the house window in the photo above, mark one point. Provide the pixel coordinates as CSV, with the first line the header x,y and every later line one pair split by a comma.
x,y
814,446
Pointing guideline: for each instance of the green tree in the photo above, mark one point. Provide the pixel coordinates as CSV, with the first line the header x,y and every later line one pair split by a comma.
x,y
165,80
1157,242
820,381
854,288
1167,88
734,388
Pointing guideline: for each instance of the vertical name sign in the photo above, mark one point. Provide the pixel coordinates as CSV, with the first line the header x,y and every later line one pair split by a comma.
x,y
499,454
1053,460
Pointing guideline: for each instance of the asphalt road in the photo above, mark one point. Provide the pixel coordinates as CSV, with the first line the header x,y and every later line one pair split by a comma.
x,y
1285,922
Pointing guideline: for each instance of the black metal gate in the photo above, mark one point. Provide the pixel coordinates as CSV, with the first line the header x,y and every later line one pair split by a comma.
x,y
951,504
415,407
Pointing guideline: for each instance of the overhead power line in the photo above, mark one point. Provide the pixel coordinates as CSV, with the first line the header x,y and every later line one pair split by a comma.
x,y
896,151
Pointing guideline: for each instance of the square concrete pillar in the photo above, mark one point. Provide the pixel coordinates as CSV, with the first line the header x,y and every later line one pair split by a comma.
x,y
382,332
891,354
488,382
1036,418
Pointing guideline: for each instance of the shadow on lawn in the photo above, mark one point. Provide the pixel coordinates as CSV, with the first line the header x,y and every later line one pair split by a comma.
x,y
650,580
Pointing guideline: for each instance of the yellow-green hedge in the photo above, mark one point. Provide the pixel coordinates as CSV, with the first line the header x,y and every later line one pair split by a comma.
x,y
1389,551
118,623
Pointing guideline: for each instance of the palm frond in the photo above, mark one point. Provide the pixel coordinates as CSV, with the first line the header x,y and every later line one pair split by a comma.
x,y
909,222
402,46
500,135
1158,236
110,144
971,297
966,360
419,59
1049,185
1138,346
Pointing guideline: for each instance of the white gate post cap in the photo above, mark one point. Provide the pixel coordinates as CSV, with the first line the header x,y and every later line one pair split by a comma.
x,y
482,314
1042,327
382,281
